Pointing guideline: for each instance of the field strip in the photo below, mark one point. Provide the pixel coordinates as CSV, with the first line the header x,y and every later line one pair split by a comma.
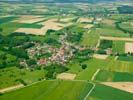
x,y
116,38
90,91
93,77
11,88
20,86
124,86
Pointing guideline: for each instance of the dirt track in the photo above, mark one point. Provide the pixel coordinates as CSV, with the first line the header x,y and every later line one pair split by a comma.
x,y
11,88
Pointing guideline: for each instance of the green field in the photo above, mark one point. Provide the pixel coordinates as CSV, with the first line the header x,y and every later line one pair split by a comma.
x,y
7,19
111,32
90,39
51,90
108,76
10,27
111,65
102,92
125,58
127,26
118,47
11,76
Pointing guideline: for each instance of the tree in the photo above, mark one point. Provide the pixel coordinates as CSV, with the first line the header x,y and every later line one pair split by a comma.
x,y
1,30
31,62
84,66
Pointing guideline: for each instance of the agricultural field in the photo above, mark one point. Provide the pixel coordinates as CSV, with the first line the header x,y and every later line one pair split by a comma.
x,y
102,92
66,50
114,76
14,76
51,90
118,46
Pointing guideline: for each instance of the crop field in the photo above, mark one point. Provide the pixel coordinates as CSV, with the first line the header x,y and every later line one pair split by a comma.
x,y
127,26
11,27
108,76
12,76
124,86
125,58
111,32
128,47
102,92
51,90
110,65
118,46
89,40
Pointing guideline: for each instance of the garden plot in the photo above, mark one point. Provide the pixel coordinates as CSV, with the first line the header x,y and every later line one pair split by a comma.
x,y
125,86
85,20
99,56
66,76
128,47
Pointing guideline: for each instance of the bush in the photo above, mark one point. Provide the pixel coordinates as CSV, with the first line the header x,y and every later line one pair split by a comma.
x,y
22,82
31,62
54,68
101,51
105,44
19,52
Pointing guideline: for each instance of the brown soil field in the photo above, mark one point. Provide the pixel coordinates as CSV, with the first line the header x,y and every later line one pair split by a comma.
x,y
66,76
99,56
128,47
81,20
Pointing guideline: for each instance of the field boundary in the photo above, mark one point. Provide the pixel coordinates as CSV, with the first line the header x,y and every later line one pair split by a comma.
x,y
116,38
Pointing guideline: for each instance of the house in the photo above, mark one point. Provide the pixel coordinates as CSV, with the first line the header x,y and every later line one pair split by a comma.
x,y
42,62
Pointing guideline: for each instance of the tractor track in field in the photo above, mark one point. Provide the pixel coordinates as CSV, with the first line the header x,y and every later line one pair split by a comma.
x,y
94,75
88,94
